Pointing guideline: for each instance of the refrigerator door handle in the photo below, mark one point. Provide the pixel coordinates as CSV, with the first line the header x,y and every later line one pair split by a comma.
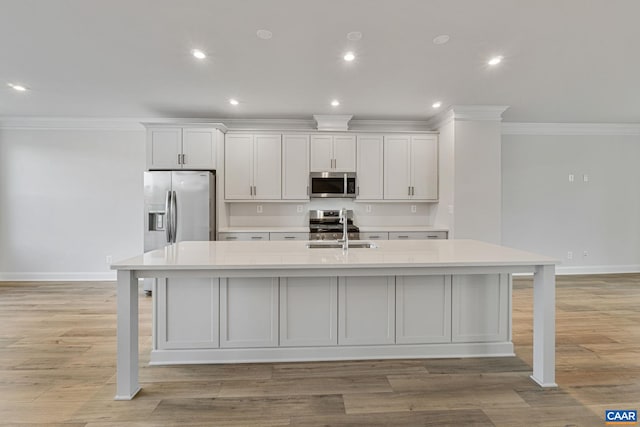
x,y
167,209
174,216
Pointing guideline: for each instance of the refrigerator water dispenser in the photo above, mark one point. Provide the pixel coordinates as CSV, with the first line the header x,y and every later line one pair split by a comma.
x,y
156,221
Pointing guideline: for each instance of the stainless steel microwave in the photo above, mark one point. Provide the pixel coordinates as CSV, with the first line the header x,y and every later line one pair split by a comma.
x,y
332,184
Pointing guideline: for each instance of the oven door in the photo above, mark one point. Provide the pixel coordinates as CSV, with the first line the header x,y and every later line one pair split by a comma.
x,y
331,184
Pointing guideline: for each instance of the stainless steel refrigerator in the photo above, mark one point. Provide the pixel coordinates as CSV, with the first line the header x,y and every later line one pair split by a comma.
x,y
178,206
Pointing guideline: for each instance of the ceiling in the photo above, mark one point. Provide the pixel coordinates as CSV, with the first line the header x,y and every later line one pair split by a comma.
x,y
564,60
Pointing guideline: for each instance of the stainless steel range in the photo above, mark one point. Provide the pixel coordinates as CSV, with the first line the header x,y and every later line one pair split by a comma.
x,y
325,225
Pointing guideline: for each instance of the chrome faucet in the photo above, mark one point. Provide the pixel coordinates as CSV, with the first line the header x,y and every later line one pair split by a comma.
x,y
345,233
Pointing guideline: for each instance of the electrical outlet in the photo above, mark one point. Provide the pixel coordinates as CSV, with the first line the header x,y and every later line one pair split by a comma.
x,y
109,259
413,208
569,255
368,209
585,178
571,177
259,209
585,254
299,208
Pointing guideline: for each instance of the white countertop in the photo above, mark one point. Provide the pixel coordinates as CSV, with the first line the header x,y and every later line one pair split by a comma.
x,y
264,229
401,228
221,255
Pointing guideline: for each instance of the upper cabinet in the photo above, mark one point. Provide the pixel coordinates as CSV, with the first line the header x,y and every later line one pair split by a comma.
x,y
170,148
295,167
411,167
252,167
369,167
333,153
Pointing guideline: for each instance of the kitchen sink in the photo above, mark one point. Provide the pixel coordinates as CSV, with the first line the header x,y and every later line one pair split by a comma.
x,y
336,245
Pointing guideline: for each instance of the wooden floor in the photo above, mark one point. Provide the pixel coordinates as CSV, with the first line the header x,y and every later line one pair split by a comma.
x,y
57,367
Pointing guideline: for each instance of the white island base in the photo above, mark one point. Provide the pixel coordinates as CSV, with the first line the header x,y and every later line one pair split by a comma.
x,y
231,302
233,320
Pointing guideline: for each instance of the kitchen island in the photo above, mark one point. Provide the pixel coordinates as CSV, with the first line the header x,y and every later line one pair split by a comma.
x,y
231,302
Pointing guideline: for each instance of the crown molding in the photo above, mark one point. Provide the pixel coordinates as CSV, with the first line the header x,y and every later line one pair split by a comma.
x,y
468,113
570,129
71,123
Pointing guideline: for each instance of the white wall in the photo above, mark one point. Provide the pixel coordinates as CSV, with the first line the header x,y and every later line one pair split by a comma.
x,y
543,212
68,199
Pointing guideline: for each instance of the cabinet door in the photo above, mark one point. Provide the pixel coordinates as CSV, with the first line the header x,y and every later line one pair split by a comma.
x,y
321,153
199,148
366,310
424,167
369,167
267,167
295,167
238,167
423,309
344,153
187,313
480,307
308,311
164,145
396,167
248,312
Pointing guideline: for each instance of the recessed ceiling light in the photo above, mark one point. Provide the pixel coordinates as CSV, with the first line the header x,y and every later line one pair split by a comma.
x,y
441,39
19,88
495,60
335,103
349,56
354,35
198,54
437,104
264,34
233,101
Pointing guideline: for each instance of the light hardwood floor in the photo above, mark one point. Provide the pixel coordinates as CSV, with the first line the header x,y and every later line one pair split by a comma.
x,y
57,366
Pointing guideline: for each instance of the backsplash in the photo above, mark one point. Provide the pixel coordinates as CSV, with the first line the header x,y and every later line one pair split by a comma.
x,y
365,214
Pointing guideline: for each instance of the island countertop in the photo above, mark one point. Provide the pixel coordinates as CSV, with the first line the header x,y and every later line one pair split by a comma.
x,y
282,254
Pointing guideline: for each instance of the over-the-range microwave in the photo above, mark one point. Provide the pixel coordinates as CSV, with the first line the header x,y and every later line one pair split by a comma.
x,y
332,184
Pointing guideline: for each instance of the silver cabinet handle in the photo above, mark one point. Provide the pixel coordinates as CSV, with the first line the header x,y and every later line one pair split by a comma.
x,y
403,237
230,238
251,190
184,157
289,237
358,190
307,190
374,237
179,159
408,191
413,191
256,237
432,237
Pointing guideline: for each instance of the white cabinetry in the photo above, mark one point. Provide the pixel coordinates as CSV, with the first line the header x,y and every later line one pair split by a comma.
x,y
243,236
181,148
248,312
295,167
252,167
198,329
411,167
417,235
481,306
369,167
366,310
333,153
423,309
308,311
288,236
374,235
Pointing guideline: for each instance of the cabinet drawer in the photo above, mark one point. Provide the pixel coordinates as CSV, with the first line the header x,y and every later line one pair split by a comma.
x,y
288,236
418,235
243,236
374,236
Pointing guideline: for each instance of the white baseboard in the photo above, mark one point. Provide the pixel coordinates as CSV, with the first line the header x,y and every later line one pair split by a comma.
x,y
306,354
58,277
592,269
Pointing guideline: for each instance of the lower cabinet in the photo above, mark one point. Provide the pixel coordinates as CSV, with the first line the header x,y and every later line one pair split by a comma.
x,y
187,313
248,312
308,311
199,313
366,310
423,309
481,306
